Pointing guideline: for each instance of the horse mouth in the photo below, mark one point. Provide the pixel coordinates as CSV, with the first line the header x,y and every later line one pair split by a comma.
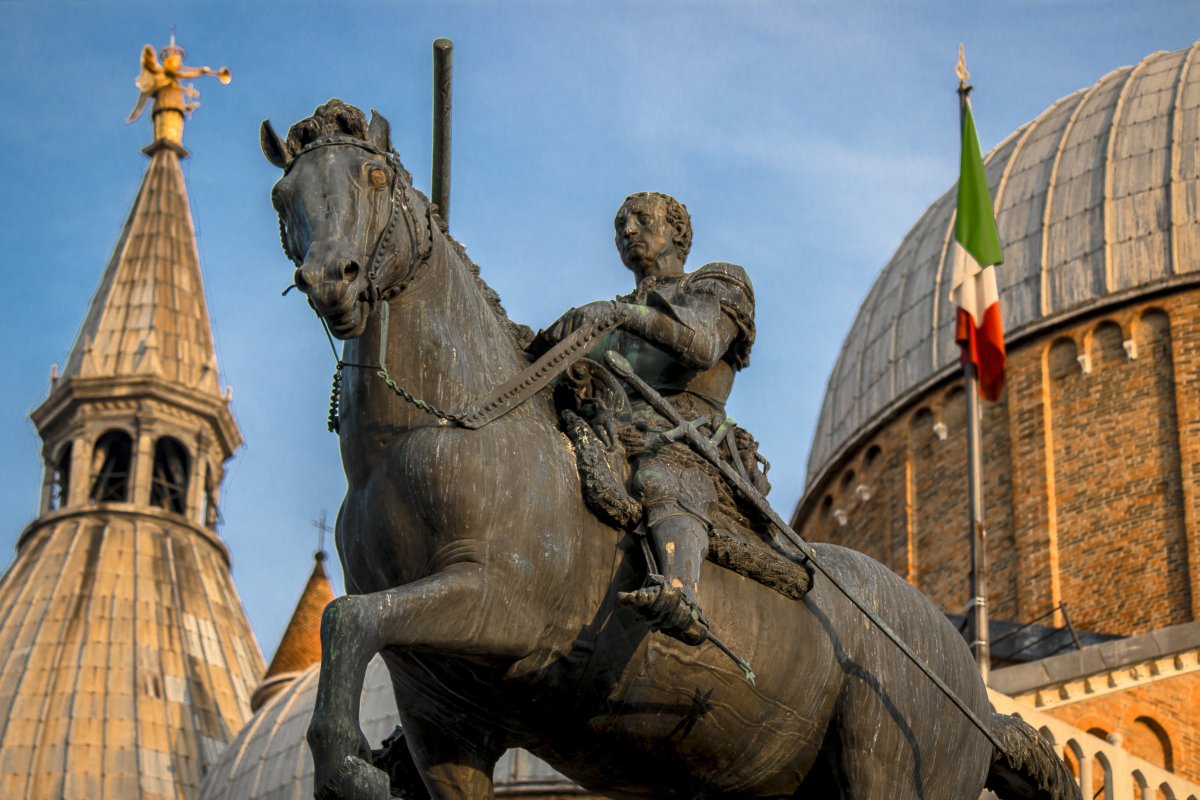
x,y
348,324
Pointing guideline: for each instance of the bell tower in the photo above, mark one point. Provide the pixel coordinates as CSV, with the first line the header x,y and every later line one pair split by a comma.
x,y
126,660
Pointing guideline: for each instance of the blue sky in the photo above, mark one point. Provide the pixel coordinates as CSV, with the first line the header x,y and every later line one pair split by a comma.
x,y
804,137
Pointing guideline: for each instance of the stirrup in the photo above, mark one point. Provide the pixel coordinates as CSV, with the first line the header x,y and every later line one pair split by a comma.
x,y
668,610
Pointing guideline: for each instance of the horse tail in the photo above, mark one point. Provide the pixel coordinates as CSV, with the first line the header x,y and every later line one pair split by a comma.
x,y
1027,766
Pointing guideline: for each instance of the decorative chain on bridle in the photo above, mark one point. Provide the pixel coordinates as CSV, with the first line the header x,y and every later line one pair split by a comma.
x,y
504,398
421,250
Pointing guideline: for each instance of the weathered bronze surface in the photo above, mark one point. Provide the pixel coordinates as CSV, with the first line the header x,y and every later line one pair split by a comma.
x,y
479,572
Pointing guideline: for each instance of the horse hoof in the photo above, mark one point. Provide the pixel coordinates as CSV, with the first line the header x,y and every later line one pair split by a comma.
x,y
356,780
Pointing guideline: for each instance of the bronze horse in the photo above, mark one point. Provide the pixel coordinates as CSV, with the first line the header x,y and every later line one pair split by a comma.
x,y
476,570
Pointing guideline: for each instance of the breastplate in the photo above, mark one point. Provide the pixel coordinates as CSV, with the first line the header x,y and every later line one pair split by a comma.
x,y
664,371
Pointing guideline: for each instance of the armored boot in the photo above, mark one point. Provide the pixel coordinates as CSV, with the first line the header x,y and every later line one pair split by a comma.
x,y
668,603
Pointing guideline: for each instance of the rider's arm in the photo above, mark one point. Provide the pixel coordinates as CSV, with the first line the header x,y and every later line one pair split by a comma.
x,y
711,318
698,332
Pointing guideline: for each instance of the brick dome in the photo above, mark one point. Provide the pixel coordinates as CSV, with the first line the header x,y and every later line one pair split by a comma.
x,y
1097,201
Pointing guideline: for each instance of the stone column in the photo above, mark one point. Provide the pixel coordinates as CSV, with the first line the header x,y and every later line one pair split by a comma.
x,y
1032,446
142,467
195,488
1185,357
81,468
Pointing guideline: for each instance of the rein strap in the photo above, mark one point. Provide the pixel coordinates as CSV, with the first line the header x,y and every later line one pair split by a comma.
x,y
531,380
516,390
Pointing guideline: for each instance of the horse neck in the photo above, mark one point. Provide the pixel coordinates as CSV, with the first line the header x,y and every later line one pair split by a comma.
x,y
446,344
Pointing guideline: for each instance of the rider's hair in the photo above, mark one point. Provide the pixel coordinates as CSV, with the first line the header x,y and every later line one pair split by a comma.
x,y
677,216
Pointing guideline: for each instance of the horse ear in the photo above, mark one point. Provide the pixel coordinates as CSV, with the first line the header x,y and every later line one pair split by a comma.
x,y
379,132
272,146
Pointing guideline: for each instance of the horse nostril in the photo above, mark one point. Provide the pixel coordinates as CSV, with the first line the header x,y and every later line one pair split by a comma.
x,y
300,282
350,271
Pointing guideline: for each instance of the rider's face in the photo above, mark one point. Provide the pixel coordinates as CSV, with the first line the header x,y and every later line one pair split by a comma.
x,y
644,235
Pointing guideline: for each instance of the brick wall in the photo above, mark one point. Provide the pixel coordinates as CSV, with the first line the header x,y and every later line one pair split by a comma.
x,y
1085,462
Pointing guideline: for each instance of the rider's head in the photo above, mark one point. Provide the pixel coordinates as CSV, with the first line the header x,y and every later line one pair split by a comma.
x,y
654,234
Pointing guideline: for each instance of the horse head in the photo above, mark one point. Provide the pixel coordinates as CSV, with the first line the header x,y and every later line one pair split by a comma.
x,y
349,218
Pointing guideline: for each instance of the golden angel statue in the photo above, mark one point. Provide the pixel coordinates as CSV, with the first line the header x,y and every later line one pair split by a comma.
x,y
172,100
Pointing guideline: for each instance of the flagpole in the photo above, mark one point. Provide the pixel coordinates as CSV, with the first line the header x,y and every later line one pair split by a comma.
x,y
977,607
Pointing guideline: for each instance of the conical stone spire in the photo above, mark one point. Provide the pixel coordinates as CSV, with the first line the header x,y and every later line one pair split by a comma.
x,y
300,647
149,316
126,660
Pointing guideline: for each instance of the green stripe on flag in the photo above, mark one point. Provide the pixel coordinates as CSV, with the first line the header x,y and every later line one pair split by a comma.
x,y
974,225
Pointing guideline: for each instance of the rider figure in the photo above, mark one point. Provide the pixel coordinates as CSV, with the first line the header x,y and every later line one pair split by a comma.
x,y
686,334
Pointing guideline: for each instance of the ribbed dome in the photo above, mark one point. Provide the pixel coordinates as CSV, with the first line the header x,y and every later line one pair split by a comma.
x,y
270,759
1096,199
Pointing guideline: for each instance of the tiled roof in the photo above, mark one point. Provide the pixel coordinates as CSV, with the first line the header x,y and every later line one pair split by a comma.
x,y
149,316
126,662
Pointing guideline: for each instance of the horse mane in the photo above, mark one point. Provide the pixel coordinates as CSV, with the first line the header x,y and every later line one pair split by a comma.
x,y
337,118
521,334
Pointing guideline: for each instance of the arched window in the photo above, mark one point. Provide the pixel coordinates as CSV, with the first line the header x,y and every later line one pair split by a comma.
x,y
1063,359
60,479
169,479
111,459
1152,742
873,454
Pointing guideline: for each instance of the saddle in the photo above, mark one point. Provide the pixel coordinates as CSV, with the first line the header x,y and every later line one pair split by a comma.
x,y
597,418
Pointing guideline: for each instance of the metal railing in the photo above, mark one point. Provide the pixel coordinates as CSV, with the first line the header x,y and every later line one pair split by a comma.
x,y
1061,607
1104,769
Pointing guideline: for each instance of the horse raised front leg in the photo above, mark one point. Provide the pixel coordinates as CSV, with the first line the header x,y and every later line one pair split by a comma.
x,y
455,611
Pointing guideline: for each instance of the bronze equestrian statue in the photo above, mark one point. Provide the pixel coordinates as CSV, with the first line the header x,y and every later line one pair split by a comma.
x,y
480,574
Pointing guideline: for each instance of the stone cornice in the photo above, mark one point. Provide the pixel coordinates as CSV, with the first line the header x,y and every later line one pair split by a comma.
x,y
127,510
1104,668
70,393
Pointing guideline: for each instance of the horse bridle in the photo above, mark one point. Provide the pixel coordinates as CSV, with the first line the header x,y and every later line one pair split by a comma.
x,y
503,398
421,247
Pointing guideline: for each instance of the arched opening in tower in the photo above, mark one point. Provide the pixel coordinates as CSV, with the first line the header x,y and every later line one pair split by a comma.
x,y
60,479
111,460
169,479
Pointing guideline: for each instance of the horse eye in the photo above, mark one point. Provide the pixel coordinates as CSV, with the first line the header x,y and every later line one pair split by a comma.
x,y
378,178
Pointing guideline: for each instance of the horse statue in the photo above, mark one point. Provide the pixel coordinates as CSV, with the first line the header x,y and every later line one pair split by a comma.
x,y
477,571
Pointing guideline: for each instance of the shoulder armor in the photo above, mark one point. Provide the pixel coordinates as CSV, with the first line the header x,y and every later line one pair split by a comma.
x,y
727,273
731,286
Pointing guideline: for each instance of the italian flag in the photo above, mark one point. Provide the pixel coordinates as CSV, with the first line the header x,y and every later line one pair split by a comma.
x,y
979,330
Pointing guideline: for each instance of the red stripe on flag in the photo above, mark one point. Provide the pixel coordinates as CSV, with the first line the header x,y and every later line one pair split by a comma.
x,y
983,346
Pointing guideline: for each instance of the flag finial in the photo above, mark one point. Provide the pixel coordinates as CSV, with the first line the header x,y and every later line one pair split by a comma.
x,y
960,69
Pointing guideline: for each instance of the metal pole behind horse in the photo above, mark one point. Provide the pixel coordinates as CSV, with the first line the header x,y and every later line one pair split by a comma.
x,y
443,51
977,607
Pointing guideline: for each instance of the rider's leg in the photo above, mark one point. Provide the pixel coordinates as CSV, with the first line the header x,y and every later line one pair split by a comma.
x,y
681,543
671,602
676,497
